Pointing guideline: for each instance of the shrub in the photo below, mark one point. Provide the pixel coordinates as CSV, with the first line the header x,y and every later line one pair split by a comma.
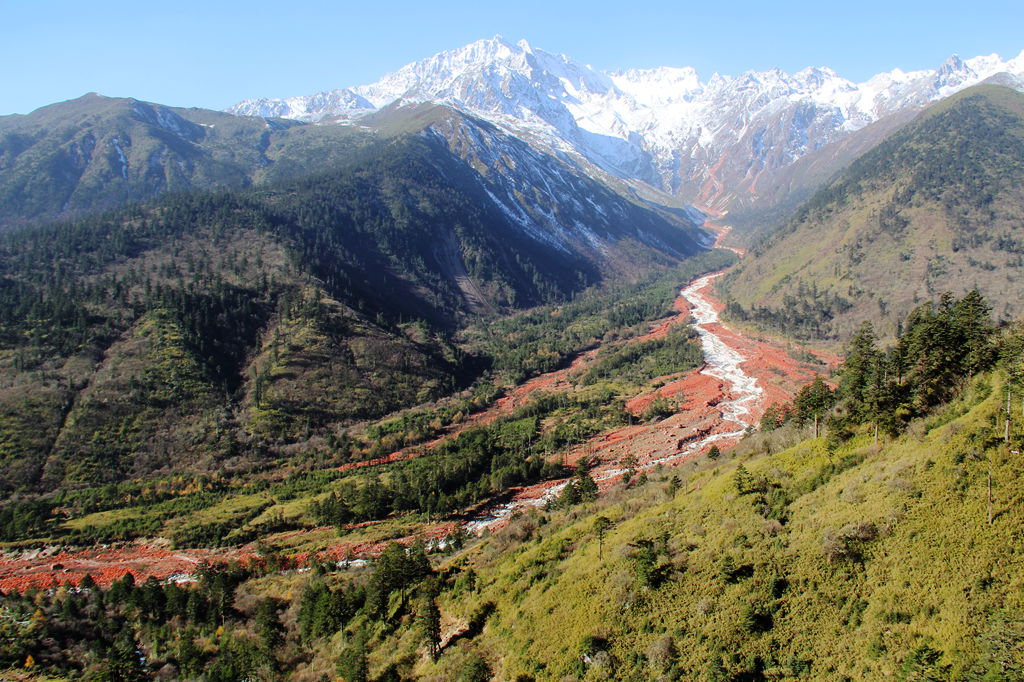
x,y
849,543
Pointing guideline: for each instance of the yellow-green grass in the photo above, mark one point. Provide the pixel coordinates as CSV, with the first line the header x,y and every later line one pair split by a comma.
x,y
936,574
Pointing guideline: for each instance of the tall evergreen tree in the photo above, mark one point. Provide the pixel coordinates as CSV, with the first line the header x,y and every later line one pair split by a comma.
x,y
429,616
855,378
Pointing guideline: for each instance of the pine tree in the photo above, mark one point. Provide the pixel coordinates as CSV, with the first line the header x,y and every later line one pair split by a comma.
x,y
268,626
587,487
352,663
742,479
857,370
430,620
814,400
582,487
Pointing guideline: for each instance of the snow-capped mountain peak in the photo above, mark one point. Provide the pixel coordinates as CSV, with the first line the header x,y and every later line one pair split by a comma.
x,y
664,126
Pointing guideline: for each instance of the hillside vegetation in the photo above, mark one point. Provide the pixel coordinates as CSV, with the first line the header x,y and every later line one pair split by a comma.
x,y
210,331
837,557
273,381
936,207
824,561
264,466
94,153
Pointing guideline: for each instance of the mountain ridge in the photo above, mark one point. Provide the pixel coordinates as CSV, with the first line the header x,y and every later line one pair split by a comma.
x,y
933,208
662,126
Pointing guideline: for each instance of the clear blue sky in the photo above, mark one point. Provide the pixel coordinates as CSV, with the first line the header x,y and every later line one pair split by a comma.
x,y
214,53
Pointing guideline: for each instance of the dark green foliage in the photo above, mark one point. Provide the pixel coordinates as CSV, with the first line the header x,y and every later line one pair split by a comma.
x,y
580,489
941,347
924,664
352,663
742,480
429,617
1001,641
122,663
638,363
1011,354
323,611
415,426
545,339
805,314
945,343
30,518
397,569
649,561
812,402
268,626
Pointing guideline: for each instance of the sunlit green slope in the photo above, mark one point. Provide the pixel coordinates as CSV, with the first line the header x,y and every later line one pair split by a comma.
x,y
936,207
836,561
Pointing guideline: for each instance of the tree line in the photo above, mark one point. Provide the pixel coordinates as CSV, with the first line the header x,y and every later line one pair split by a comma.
x,y
940,346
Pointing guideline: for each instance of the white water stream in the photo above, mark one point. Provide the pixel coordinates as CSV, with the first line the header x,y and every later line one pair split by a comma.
x,y
721,362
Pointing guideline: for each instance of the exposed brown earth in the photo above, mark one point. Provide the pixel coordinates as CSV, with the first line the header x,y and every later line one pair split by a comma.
x,y
699,416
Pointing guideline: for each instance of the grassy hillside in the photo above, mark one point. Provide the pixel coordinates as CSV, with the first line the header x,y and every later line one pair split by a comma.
x,y
821,561
934,208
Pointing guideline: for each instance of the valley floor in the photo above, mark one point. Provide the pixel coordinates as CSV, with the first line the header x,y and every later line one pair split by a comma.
x,y
717,403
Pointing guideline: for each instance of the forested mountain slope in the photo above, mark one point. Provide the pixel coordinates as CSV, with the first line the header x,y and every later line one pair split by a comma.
x,y
936,207
96,152
204,325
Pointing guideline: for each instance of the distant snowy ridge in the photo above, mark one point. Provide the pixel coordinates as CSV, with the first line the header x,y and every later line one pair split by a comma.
x,y
664,126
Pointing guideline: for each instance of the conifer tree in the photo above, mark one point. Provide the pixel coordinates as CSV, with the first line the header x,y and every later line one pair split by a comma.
x,y
430,619
858,368
353,665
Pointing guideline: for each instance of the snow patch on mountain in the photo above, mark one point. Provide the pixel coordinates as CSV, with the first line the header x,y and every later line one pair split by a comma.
x,y
664,126
342,103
